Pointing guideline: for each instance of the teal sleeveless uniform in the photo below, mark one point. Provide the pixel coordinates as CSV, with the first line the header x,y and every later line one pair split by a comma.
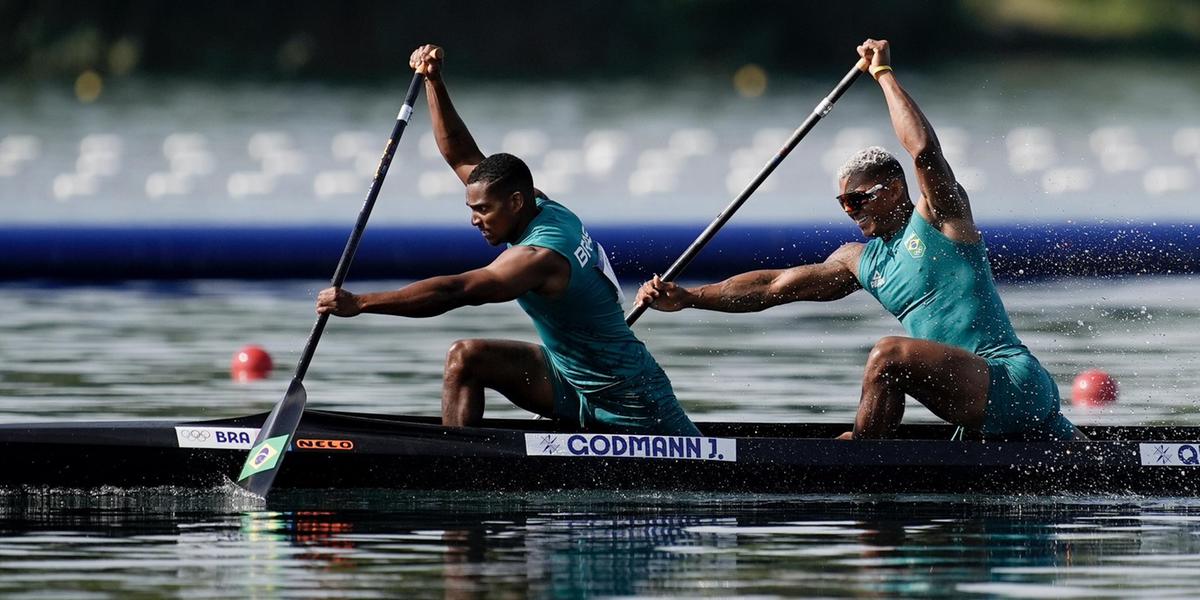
x,y
943,291
604,378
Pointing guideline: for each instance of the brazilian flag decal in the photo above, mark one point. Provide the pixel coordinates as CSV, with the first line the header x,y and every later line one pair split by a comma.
x,y
264,456
914,245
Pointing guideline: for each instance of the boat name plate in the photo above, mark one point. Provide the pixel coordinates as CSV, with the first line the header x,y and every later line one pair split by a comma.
x,y
604,445
1170,455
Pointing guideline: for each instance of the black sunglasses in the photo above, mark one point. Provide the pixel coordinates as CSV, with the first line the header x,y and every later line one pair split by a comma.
x,y
856,200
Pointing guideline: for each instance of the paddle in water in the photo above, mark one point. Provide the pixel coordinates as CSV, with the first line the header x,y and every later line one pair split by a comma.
x,y
820,111
266,455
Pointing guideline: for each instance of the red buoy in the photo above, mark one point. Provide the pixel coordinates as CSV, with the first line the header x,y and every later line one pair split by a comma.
x,y
250,363
1093,388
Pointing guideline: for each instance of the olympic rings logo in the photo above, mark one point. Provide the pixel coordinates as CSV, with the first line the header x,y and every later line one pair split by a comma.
x,y
196,435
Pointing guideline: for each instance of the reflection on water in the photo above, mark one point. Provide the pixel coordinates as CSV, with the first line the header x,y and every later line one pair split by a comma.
x,y
475,546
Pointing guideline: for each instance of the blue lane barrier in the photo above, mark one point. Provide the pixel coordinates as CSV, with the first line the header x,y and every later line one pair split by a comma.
x,y
129,252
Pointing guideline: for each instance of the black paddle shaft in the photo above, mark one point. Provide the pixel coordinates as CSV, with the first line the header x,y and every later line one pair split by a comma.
x,y
343,266
820,111
270,446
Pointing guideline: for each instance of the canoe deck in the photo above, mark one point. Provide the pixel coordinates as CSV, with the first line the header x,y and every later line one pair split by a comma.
x,y
337,450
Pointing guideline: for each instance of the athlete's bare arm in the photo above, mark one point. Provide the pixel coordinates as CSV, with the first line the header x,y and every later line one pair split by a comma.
x,y
835,278
943,201
453,139
518,270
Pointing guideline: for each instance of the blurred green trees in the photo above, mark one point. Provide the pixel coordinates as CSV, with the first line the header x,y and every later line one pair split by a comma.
x,y
365,39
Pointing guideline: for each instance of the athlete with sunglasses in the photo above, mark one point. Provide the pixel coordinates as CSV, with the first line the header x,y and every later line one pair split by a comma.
x,y
927,265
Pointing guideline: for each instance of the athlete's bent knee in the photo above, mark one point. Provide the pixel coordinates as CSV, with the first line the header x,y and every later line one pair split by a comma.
x,y
461,355
888,359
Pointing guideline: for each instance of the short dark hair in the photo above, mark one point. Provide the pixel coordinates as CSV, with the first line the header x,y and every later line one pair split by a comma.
x,y
504,174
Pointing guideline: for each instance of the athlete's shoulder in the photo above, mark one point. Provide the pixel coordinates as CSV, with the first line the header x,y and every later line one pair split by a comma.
x,y
958,226
848,255
528,256
848,250
557,210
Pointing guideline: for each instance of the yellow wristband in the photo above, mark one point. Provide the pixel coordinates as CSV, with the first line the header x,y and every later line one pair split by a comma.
x,y
876,70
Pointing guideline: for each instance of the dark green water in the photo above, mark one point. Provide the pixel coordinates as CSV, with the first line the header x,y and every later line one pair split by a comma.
x,y
152,350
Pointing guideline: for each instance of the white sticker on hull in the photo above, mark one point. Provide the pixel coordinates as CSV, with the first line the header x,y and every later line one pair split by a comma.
x,y
226,438
1170,455
603,445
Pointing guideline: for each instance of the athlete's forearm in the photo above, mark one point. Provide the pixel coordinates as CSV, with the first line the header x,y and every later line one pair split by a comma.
x,y
454,141
933,173
748,292
427,298
912,128
760,290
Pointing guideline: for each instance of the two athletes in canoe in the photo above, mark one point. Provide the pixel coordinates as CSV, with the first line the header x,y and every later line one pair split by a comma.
x,y
926,263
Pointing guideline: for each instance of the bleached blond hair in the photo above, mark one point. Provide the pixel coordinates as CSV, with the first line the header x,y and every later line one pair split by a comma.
x,y
872,162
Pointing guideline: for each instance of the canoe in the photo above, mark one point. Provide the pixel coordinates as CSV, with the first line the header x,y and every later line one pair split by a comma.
x,y
342,450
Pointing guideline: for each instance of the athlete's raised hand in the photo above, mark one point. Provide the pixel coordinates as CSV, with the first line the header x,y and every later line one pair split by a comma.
x,y
876,52
427,60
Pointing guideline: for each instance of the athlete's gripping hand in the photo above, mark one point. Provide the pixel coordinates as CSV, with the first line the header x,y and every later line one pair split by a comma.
x,y
663,295
338,302
876,52
427,60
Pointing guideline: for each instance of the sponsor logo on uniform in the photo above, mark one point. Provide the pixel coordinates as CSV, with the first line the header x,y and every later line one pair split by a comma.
x,y
602,445
584,252
914,245
311,444
877,280
227,438
1170,455
264,456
